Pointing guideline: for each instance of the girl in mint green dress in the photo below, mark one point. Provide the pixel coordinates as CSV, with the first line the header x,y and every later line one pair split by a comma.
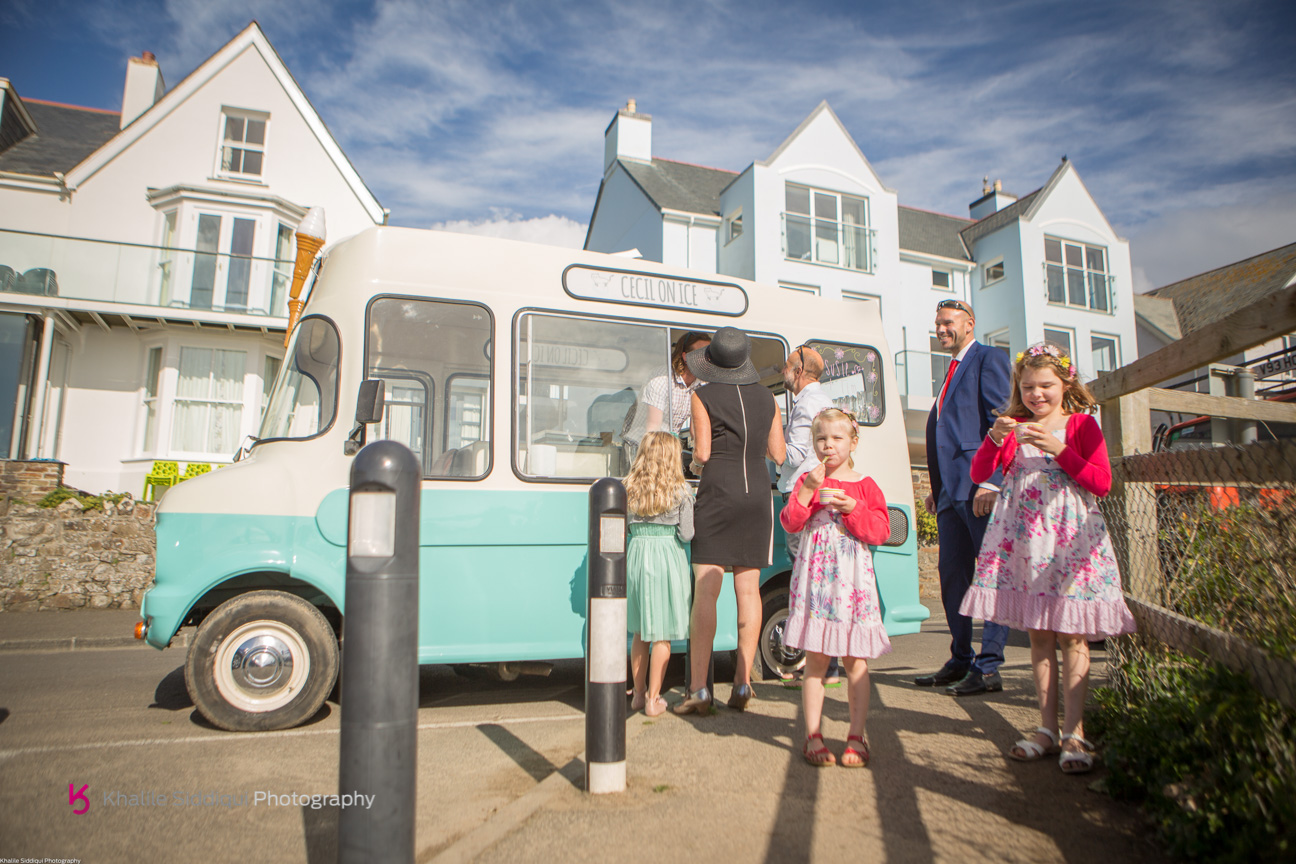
x,y
658,579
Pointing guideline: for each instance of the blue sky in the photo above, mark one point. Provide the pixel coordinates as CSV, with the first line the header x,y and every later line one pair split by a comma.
x,y
1179,116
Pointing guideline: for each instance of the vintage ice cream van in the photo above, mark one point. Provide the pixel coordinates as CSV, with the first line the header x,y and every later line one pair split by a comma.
x,y
509,370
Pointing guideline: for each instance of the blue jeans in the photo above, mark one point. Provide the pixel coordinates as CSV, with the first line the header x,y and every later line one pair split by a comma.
x,y
960,535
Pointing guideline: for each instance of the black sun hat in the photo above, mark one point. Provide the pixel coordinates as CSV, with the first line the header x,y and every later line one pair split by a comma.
x,y
727,360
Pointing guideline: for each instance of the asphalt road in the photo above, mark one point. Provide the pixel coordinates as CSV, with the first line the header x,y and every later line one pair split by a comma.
x,y
120,722
499,777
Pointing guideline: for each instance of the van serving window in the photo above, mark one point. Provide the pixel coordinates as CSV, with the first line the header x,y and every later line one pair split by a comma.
x,y
583,386
434,356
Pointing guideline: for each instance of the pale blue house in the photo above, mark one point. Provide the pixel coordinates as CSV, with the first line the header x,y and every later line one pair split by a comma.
x,y
815,217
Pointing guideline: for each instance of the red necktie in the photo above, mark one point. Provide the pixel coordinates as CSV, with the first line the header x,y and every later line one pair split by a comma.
x,y
940,403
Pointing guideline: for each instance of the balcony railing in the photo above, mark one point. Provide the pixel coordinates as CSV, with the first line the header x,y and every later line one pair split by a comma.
x,y
80,269
825,241
915,375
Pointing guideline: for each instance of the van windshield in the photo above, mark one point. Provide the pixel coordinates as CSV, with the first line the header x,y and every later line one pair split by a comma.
x,y
303,401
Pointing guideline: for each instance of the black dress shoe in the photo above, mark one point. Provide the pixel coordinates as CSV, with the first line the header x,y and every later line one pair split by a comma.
x,y
947,675
976,683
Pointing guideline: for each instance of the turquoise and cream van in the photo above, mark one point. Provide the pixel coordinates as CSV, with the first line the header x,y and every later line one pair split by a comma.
x,y
509,370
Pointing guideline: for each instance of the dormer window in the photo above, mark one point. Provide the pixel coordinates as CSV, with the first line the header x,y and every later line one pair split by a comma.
x,y
243,137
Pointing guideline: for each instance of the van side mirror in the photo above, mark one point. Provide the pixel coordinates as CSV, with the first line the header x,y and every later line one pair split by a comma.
x,y
371,399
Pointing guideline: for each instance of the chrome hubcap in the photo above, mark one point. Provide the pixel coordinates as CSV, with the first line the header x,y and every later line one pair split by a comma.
x,y
776,653
261,666
261,663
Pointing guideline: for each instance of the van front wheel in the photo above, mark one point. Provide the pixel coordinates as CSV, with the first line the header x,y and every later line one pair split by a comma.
x,y
261,661
777,660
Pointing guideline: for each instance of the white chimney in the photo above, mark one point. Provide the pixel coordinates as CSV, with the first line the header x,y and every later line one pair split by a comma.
x,y
144,87
628,136
992,200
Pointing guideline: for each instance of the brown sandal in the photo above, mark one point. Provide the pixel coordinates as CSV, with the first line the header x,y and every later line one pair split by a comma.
x,y
820,757
853,758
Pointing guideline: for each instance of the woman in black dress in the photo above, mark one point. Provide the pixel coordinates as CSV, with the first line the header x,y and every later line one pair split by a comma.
x,y
735,426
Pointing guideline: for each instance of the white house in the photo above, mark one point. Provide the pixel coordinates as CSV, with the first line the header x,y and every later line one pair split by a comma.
x,y
815,217
145,258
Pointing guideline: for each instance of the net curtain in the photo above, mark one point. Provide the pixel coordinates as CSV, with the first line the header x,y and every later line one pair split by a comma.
x,y
209,401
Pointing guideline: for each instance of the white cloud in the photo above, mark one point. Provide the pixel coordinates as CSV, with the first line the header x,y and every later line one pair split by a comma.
x,y
1184,243
549,230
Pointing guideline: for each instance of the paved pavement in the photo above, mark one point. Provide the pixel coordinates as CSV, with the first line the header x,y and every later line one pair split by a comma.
x,y
499,769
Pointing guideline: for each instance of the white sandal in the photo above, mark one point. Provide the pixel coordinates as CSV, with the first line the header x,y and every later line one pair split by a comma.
x,y
1077,761
1033,750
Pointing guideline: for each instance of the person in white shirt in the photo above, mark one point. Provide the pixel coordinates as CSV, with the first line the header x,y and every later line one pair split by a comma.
x,y
801,375
666,401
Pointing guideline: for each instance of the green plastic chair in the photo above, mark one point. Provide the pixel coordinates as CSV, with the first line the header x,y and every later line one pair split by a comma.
x,y
161,474
195,469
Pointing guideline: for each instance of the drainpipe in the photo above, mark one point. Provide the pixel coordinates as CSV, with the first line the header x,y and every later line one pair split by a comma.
x,y
36,431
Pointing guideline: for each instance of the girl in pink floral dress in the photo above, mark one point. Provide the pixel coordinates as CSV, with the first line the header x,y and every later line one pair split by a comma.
x,y
1046,564
834,610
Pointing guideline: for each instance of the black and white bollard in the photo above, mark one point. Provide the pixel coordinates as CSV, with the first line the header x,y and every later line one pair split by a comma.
x,y
605,652
379,746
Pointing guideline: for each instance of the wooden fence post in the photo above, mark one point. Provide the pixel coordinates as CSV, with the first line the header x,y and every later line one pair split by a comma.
x,y
1128,430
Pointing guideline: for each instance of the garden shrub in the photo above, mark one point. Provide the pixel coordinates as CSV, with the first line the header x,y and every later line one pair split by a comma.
x,y
1212,763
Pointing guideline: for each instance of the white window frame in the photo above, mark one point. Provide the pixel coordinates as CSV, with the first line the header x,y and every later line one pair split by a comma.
x,y
932,353
733,226
990,265
802,288
1086,274
1116,345
949,276
1000,339
861,296
226,113
815,222
151,404
1071,338
254,391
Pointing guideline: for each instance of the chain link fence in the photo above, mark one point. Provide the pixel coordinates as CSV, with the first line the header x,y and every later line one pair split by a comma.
x,y
1201,704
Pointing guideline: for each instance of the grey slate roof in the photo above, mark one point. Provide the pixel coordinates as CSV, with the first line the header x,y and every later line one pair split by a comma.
x,y
1207,297
932,233
999,219
64,137
679,185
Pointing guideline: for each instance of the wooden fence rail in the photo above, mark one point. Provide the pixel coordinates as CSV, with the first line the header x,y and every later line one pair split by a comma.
x,y
1127,396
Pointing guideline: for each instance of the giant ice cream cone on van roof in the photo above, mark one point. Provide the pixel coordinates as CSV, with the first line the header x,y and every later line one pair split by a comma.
x,y
310,237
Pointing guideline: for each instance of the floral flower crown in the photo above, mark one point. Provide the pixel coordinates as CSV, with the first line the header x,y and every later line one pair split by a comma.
x,y
1044,349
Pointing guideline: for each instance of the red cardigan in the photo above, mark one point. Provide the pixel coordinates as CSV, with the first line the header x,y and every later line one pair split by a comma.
x,y
1084,457
868,522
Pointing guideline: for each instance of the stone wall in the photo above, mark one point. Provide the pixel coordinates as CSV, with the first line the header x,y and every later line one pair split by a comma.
x,y
69,558
928,577
29,481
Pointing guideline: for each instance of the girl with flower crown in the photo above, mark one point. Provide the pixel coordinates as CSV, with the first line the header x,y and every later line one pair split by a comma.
x,y
1046,564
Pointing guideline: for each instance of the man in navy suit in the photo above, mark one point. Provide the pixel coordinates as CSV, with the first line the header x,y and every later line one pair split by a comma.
x,y
976,385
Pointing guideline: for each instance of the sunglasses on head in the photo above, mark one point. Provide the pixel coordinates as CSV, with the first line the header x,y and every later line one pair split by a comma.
x,y
954,304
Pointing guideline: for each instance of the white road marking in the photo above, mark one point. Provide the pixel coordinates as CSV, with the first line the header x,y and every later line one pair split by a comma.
x,y
266,736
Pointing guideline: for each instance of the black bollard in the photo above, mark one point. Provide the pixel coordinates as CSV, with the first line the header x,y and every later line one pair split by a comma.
x,y
379,746
605,651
